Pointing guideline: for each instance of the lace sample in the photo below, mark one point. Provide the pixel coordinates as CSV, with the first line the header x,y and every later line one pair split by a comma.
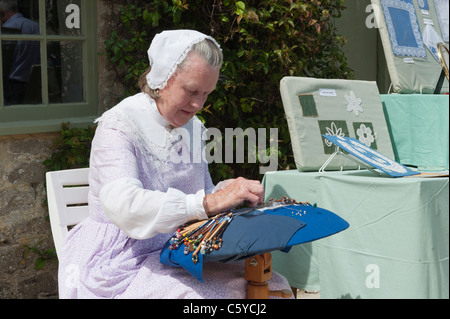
x,y
403,28
442,8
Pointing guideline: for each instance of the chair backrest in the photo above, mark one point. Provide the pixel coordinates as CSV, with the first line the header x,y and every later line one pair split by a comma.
x,y
67,194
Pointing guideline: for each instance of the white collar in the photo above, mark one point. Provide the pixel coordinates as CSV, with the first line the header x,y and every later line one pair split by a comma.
x,y
139,115
142,116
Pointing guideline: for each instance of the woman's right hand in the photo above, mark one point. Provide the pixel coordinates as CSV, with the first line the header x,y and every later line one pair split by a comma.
x,y
232,194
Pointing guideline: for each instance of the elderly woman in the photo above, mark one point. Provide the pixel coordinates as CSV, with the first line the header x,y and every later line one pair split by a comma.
x,y
139,194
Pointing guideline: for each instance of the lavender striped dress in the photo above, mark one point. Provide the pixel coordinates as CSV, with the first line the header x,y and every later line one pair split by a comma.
x,y
101,260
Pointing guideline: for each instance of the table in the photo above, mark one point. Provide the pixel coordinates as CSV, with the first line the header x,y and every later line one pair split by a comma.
x,y
397,245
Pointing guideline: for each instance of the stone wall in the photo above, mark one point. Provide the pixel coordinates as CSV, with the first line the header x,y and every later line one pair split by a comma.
x,y
24,222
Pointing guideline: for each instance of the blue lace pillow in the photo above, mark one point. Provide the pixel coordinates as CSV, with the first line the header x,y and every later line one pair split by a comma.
x,y
261,231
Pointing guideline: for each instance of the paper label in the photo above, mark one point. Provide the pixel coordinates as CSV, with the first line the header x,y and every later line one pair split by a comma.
x,y
327,92
408,60
428,21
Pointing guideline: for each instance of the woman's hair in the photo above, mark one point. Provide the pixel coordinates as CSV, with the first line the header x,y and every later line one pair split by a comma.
x,y
206,48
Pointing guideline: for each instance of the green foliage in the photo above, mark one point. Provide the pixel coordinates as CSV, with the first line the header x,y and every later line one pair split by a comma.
x,y
262,41
71,149
44,255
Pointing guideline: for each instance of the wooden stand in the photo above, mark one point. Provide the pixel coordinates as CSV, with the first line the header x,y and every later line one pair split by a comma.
x,y
258,271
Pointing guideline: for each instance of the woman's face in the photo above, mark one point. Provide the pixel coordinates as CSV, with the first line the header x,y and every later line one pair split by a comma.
x,y
187,90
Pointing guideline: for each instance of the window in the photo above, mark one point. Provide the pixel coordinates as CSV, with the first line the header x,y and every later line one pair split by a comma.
x,y
48,64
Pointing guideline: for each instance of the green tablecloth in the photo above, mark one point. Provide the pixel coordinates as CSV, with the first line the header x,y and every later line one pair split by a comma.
x,y
419,128
397,245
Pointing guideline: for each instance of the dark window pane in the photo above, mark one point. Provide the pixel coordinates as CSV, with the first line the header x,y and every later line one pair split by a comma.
x,y
65,71
21,17
21,58
21,72
63,17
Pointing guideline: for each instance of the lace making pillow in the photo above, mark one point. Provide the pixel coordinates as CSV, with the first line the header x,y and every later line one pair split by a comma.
x,y
334,107
410,31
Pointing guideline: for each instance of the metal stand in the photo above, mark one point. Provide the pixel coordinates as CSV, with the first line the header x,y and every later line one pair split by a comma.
x,y
339,152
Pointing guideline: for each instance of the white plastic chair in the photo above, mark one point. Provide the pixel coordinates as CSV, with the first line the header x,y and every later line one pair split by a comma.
x,y
67,194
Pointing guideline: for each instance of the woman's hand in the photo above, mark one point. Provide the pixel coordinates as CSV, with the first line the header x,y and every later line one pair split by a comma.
x,y
232,194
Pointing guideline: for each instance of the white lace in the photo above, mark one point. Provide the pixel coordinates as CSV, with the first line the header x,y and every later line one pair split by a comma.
x,y
418,51
442,8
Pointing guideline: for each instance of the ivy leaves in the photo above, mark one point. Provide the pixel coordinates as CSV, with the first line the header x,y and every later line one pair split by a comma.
x,y
71,149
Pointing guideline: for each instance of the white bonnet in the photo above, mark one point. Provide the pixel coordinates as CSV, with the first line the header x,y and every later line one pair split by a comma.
x,y
167,51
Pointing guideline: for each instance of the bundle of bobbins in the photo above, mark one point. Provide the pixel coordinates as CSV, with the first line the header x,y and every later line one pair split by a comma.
x,y
205,236
202,236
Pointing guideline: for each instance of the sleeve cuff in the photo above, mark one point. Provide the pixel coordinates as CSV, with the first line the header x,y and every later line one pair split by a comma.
x,y
194,206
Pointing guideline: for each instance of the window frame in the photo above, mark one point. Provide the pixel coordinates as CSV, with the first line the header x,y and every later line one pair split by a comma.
x,y
45,117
